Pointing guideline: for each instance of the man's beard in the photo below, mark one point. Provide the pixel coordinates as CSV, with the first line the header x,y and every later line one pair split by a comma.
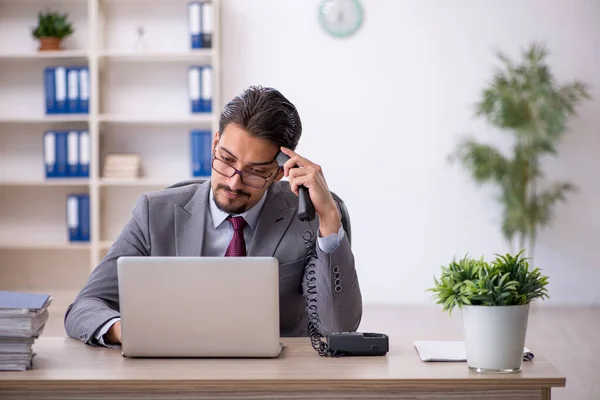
x,y
230,208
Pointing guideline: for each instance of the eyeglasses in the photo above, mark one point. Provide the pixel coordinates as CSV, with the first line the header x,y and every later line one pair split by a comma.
x,y
248,178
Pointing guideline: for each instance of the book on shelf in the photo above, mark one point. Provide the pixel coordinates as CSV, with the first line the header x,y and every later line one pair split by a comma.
x,y
66,154
200,88
122,166
67,90
78,217
23,317
200,24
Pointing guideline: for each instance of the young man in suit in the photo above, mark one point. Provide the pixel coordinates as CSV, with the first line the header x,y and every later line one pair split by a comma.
x,y
243,210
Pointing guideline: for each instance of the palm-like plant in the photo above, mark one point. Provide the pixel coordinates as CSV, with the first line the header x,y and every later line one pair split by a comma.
x,y
525,100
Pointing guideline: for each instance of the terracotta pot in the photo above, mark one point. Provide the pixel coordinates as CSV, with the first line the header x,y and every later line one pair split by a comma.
x,y
49,43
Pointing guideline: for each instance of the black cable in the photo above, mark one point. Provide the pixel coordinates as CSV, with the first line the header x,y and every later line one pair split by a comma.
x,y
311,296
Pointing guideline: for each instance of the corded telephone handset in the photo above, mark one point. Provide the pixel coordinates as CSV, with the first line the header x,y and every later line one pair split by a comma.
x,y
339,343
306,210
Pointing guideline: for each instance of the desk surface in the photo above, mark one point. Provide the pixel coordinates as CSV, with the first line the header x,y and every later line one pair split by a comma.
x,y
66,364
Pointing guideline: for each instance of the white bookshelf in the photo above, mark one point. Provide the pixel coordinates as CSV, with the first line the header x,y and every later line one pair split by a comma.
x,y
141,182
42,119
152,119
81,55
41,245
196,56
139,103
41,183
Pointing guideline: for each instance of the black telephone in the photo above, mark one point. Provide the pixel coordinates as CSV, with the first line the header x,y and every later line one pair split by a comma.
x,y
338,343
306,210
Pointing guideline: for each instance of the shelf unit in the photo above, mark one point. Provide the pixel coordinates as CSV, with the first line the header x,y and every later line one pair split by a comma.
x,y
43,119
47,55
139,103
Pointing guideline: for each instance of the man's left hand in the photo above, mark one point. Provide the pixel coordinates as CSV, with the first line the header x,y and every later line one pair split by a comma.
x,y
310,175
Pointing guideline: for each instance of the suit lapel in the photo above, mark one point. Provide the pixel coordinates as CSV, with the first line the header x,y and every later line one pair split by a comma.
x,y
273,222
189,223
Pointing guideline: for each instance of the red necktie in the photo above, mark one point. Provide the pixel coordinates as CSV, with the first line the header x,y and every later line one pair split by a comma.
x,y
237,246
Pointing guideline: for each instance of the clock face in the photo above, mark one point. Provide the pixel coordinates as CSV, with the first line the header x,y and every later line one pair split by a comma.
x,y
341,18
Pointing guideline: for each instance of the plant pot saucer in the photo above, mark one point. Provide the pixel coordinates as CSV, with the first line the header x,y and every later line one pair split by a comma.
x,y
495,371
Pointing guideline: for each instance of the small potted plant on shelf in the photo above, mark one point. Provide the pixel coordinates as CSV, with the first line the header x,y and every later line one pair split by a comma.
x,y
494,299
51,29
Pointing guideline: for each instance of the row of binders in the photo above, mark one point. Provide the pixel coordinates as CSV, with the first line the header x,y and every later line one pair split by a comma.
x,y
78,217
67,154
200,145
200,24
200,82
67,90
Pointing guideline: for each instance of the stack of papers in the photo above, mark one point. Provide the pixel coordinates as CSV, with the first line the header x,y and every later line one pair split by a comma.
x,y
449,350
124,166
23,317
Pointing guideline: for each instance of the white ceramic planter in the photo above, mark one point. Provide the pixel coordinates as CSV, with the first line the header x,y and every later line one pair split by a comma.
x,y
495,337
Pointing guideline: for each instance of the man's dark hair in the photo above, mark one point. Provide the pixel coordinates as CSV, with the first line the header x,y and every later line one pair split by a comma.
x,y
264,113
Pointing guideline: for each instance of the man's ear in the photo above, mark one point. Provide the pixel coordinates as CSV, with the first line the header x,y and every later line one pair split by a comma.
x,y
279,175
215,141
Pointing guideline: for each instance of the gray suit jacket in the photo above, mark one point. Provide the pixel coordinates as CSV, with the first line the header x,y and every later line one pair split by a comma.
x,y
171,222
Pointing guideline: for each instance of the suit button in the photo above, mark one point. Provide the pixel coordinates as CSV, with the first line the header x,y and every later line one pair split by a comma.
x,y
337,276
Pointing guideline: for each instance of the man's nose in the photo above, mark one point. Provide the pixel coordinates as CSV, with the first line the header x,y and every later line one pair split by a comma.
x,y
235,182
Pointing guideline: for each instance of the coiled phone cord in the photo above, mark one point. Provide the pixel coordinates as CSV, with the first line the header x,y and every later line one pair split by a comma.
x,y
311,296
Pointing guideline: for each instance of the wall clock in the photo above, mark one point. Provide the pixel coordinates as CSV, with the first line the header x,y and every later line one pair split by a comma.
x,y
341,18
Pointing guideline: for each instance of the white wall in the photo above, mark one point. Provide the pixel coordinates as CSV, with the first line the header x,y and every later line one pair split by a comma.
x,y
383,109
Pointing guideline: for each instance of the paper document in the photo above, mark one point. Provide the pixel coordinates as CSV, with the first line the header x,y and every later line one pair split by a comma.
x,y
449,350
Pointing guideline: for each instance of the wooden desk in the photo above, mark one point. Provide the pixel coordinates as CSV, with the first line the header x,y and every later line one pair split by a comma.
x,y
65,368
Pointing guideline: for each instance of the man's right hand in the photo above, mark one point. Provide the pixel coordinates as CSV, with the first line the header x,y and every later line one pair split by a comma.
x,y
113,336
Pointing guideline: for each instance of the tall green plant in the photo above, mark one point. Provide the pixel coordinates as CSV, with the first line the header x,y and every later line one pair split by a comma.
x,y
525,100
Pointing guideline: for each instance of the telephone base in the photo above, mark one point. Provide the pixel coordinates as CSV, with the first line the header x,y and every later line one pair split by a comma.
x,y
358,343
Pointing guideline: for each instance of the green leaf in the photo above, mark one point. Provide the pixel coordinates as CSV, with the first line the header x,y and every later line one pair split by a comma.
x,y
485,163
449,300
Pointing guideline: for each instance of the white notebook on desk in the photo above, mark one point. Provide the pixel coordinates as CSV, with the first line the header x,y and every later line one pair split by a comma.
x,y
447,350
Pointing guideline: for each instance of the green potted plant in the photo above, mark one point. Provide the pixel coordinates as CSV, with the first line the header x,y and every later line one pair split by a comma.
x,y
494,299
525,100
51,29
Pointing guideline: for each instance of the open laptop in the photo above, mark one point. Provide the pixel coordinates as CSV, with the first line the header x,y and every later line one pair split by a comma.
x,y
199,306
